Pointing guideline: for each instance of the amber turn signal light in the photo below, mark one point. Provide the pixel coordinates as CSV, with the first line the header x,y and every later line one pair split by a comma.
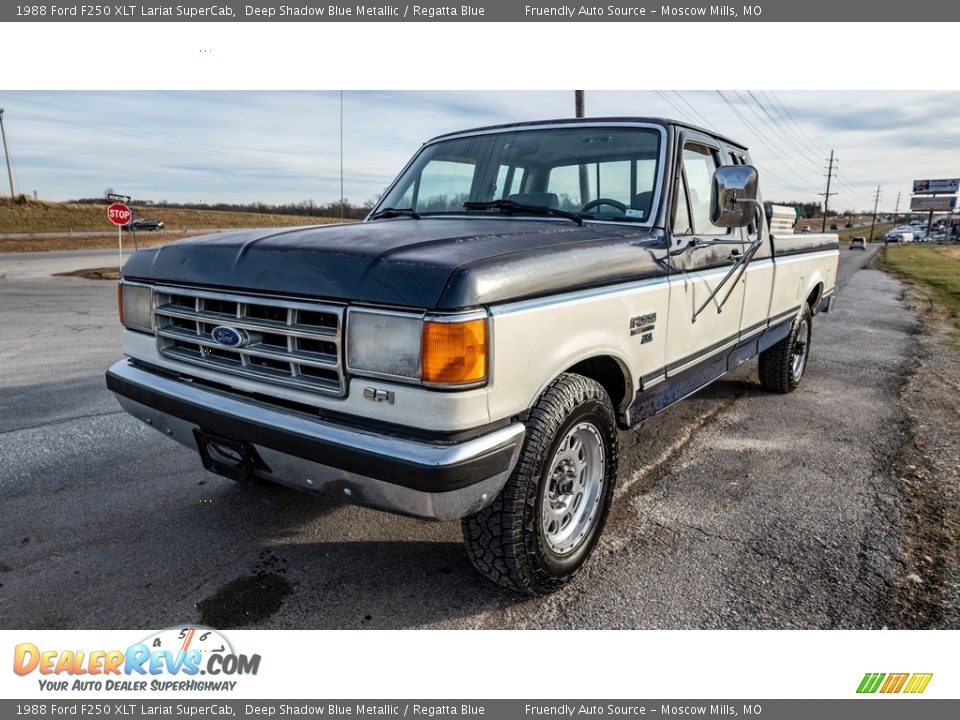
x,y
454,353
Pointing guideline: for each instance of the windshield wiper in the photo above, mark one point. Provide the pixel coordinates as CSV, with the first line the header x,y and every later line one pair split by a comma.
x,y
392,212
509,206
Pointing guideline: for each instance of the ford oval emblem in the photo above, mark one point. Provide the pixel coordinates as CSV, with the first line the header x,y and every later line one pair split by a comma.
x,y
229,336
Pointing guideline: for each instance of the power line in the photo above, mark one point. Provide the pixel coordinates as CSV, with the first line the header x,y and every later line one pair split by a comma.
x,y
778,127
764,170
762,139
789,110
709,124
686,116
792,126
706,122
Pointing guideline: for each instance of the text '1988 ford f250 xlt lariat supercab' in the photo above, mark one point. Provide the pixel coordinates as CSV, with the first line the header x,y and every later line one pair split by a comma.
x,y
470,350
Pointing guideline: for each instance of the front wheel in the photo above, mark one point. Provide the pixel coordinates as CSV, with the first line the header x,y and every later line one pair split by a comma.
x,y
542,527
782,365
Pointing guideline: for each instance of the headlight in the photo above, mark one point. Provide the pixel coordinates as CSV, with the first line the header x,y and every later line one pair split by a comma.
x,y
384,343
441,351
136,307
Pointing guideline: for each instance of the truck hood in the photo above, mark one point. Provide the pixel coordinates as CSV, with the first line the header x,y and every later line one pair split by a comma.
x,y
431,263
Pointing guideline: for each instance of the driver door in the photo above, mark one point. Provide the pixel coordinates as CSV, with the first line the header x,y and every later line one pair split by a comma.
x,y
701,255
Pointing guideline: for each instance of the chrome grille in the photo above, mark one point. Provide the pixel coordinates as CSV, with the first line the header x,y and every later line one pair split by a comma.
x,y
291,342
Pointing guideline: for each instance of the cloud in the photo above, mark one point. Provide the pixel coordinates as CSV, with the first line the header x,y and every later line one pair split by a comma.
x,y
285,146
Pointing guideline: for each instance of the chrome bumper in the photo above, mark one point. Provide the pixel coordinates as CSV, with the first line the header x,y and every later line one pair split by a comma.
x,y
434,480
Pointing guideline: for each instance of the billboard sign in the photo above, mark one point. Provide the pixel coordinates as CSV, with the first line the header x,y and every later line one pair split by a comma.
x,y
949,185
934,203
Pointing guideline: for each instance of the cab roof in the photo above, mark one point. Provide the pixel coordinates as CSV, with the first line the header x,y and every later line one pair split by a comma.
x,y
666,122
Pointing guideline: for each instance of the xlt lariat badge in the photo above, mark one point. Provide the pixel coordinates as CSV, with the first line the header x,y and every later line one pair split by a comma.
x,y
378,395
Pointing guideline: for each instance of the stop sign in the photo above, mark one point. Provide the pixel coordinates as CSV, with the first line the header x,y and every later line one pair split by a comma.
x,y
119,214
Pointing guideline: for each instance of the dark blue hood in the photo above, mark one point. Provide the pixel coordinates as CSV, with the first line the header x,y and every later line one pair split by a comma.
x,y
432,263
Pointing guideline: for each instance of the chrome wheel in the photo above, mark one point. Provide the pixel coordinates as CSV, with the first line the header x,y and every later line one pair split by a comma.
x,y
798,353
572,493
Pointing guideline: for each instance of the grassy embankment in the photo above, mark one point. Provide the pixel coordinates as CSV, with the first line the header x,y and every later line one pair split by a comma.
x,y
935,268
65,219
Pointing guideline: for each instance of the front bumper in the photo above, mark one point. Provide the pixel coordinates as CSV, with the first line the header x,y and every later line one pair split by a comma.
x,y
434,480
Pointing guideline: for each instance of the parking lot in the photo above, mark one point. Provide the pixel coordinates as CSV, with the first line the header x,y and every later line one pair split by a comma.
x,y
736,509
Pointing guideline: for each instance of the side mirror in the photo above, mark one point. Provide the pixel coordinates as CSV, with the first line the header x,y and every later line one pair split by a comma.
x,y
733,198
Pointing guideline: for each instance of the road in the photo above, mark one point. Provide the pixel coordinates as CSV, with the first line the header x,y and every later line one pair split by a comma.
x,y
111,233
736,509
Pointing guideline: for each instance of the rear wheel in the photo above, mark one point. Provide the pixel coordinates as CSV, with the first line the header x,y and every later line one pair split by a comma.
x,y
782,366
543,526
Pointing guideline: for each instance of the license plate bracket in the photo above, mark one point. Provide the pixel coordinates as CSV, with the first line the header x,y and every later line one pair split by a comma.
x,y
229,457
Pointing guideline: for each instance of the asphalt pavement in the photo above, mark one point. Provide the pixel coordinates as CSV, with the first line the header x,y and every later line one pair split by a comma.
x,y
736,508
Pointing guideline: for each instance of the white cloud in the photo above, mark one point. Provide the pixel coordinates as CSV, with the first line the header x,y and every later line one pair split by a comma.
x,y
285,146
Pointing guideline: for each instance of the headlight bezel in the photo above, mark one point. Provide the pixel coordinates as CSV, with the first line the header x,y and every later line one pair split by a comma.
x,y
421,320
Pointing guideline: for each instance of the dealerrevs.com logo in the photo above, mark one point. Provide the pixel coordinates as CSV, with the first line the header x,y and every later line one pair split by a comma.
x,y
909,683
173,659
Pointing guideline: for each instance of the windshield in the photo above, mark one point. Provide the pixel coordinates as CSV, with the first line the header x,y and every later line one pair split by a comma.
x,y
602,173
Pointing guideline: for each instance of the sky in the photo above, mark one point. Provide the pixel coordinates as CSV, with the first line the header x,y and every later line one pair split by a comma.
x,y
284,147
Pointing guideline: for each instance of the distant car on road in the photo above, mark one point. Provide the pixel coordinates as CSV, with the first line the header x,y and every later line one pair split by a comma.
x,y
858,243
144,224
805,229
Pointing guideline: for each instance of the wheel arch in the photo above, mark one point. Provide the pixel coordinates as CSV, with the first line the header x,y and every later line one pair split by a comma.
x,y
814,295
608,369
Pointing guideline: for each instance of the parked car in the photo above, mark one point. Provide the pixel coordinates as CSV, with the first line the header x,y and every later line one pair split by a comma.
x,y
805,229
473,348
899,236
858,243
148,224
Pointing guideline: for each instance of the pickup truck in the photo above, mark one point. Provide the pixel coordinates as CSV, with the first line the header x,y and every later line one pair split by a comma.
x,y
471,350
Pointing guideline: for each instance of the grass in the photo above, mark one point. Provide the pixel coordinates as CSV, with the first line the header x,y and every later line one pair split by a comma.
x,y
38,216
934,267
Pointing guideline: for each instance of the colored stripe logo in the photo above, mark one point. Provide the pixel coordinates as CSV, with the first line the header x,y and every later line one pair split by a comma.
x,y
913,683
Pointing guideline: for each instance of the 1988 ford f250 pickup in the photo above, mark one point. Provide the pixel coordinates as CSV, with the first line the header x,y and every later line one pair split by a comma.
x,y
470,350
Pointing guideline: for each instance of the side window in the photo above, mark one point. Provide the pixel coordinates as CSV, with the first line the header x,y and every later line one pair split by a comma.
x,y
509,182
738,159
565,183
699,163
681,218
444,186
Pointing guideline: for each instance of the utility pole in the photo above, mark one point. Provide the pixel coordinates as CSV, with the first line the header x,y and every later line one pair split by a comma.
x,y
896,210
580,103
580,106
342,204
876,201
827,194
6,153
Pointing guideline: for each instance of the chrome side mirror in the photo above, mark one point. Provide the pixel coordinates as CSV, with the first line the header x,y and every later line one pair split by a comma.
x,y
733,197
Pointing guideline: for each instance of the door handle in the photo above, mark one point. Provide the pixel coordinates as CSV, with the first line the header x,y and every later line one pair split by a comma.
x,y
735,255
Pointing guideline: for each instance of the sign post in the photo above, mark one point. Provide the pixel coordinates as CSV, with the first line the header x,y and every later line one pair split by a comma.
x,y
119,214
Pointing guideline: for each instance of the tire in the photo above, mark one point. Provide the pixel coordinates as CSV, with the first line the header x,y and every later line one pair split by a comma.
x,y
782,365
543,526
